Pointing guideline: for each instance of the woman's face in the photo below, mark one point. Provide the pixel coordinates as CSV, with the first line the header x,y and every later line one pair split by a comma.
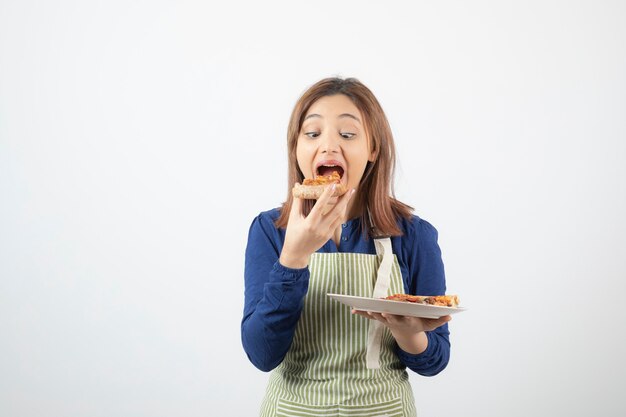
x,y
333,138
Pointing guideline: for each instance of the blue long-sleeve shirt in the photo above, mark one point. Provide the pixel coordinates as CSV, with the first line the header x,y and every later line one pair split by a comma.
x,y
274,294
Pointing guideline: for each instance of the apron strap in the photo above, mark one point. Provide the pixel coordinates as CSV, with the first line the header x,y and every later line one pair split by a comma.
x,y
376,328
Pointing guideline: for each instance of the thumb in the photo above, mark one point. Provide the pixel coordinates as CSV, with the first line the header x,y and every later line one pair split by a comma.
x,y
296,208
443,320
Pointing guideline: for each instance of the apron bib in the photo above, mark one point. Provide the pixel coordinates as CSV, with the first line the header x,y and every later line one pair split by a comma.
x,y
340,363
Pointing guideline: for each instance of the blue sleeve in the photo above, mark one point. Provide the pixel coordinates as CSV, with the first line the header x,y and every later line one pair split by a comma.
x,y
274,296
426,277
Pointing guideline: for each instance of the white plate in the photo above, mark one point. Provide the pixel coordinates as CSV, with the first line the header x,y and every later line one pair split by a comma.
x,y
401,308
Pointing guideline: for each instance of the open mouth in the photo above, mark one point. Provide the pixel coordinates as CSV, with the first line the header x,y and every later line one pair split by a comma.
x,y
328,169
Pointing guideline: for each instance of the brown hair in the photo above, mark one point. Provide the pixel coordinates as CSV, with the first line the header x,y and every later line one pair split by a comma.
x,y
375,193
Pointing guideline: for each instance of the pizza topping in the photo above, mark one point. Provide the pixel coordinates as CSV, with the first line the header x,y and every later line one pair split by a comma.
x,y
436,300
443,300
406,297
333,178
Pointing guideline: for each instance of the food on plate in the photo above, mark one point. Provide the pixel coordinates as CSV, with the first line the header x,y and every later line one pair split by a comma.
x,y
312,189
435,300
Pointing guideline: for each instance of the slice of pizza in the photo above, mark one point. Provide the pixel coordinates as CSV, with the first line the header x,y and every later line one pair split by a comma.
x,y
442,300
435,300
312,188
406,297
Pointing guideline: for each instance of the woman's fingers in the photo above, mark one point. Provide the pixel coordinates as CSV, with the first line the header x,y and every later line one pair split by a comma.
x,y
335,217
328,212
342,205
361,313
296,208
434,323
330,204
369,315
320,209
315,230
396,321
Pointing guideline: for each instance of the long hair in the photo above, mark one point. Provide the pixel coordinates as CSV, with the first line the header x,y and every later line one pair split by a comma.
x,y
375,194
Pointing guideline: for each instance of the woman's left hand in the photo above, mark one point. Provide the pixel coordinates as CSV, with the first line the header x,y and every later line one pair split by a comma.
x,y
408,331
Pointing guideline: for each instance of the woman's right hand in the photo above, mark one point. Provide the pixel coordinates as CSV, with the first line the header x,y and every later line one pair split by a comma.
x,y
305,235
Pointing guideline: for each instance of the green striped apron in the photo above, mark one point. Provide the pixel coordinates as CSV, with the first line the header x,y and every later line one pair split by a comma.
x,y
340,364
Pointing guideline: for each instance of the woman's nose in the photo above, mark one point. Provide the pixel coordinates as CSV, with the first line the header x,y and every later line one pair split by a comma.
x,y
329,144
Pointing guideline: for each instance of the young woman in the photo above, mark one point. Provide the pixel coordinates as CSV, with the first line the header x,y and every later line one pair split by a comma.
x,y
326,359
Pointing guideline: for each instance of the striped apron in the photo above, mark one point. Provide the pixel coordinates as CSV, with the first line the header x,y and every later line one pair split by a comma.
x,y
340,364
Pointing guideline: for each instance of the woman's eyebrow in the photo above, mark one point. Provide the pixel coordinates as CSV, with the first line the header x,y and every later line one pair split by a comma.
x,y
351,116
341,116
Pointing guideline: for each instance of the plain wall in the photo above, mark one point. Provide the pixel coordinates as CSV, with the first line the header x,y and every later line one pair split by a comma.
x,y
127,130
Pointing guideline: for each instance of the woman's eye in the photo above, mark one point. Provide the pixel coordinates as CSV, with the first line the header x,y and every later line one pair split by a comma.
x,y
312,135
347,135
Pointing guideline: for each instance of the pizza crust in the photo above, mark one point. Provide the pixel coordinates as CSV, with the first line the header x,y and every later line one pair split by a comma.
x,y
314,192
312,188
436,300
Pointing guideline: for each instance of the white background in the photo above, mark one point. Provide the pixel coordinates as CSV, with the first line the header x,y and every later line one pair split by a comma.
x,y
126,129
